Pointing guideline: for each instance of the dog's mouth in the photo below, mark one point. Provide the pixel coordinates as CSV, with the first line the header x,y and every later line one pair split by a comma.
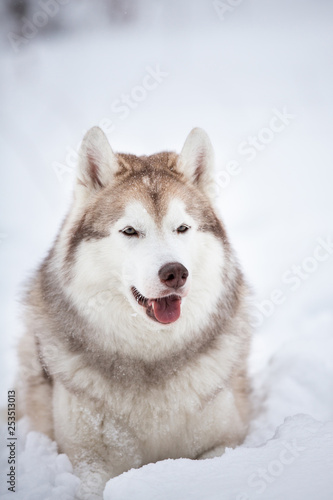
x,y
163,309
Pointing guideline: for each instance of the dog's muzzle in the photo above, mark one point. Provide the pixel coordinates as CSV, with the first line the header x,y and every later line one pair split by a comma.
x,y
165,309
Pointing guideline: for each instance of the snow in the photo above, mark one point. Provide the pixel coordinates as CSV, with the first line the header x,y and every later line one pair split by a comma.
x,y
290,465
41,473
297,453
230,76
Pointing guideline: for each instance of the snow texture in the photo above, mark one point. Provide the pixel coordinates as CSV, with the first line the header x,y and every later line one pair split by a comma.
x,y
291,465
41,473
258,77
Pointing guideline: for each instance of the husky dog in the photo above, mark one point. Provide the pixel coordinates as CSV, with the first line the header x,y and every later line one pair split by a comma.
x,y
137,325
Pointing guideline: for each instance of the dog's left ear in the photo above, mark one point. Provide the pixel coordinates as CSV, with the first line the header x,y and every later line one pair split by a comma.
x,y
196,161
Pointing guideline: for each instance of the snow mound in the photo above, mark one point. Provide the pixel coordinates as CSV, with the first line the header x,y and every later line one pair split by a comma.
x,y
41,474
294,464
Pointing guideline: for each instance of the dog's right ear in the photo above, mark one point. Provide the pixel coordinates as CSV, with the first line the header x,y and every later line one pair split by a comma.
x,y
97,162
196,161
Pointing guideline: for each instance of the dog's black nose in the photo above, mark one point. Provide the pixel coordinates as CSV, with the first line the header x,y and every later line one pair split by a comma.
x,y
173,275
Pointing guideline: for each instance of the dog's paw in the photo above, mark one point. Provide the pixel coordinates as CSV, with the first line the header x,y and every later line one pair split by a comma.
x,y
88,496
91,486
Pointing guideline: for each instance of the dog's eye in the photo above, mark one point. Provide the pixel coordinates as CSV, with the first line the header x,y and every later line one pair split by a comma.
x,y
130,231
183,228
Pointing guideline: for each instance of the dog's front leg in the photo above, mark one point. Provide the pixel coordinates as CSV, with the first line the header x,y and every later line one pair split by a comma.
x,y
93,476
92,484
80,433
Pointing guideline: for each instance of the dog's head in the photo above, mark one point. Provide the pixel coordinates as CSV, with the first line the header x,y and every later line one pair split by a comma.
x,y
143,231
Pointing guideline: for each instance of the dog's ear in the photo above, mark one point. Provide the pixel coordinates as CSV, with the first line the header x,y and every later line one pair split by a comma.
x,y
97,162
196,161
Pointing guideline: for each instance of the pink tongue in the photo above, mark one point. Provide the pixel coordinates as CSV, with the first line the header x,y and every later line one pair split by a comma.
x,y
167,310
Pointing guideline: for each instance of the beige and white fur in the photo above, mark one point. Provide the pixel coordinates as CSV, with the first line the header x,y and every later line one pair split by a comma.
x,y
115,388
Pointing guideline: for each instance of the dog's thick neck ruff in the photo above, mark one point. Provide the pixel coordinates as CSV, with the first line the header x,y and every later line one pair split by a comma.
x,y
161,354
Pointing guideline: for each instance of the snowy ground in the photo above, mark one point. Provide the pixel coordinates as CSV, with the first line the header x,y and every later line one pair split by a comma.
x,y
262,74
